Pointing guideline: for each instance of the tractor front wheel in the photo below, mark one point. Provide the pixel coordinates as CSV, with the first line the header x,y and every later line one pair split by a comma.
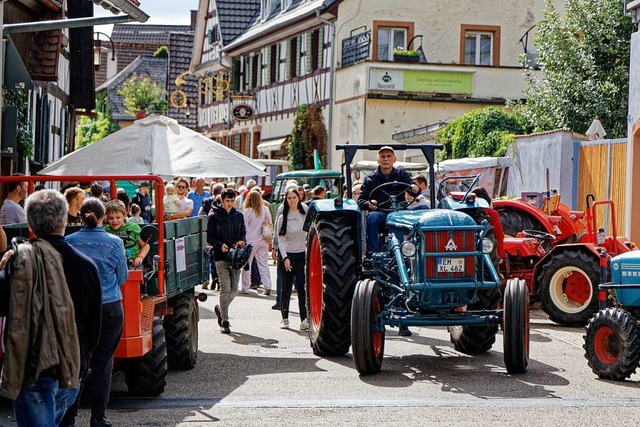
x,y
477,339
612,344
181,329
568,287
146,375
331,278
367,330
515,326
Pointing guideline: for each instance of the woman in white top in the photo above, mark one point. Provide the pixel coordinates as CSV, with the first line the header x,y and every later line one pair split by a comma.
x,y
255,215
292,242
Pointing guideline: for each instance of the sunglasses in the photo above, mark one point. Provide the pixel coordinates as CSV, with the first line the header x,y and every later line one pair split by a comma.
x,y
181,186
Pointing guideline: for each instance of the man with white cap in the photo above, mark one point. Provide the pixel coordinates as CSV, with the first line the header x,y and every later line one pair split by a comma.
x,y
385,173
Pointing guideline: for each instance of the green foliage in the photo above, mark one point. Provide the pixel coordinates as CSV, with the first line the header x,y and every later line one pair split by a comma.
x,y
143,94
162,52
309,133
482,132
402,52
20,98
92,129
584,59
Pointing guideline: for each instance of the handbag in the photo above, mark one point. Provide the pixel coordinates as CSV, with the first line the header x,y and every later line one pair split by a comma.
x,y
267,230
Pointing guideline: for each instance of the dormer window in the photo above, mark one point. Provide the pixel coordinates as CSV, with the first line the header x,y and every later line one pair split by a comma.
x,y
270,6
286,4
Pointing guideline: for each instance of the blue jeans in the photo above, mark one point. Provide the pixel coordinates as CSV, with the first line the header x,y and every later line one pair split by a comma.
x,y
375,221
43,403
289,278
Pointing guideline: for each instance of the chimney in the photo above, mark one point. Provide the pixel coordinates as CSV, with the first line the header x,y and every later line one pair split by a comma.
x,y
194,19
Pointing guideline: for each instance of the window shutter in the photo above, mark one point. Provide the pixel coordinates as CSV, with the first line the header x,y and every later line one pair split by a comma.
x,y
299,56
278,52
308,56
267,73
321,49
287,66
249,73
259,83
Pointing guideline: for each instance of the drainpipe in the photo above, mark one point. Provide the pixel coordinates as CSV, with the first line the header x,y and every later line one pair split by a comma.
x,y
331,85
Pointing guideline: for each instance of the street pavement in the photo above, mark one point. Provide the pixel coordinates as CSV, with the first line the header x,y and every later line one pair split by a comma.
x,y
263,375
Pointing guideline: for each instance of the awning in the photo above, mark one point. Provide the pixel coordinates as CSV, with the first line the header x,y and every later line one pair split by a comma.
x,y
16,74
269,145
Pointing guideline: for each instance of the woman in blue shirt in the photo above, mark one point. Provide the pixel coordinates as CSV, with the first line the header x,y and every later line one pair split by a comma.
x,y
107,251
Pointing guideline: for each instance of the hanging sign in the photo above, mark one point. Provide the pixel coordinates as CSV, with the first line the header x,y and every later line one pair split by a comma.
x,y
242,112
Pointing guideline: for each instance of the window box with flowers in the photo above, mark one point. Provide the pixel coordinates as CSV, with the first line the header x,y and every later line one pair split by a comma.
x,y
401,55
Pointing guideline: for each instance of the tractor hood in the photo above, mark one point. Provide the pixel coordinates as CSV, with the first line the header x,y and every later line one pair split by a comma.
x,y
429,218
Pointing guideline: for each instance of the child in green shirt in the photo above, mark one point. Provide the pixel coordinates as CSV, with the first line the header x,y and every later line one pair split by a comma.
x,y
129,232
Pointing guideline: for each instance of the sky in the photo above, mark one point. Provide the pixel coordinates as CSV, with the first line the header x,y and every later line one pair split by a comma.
x,y
172,12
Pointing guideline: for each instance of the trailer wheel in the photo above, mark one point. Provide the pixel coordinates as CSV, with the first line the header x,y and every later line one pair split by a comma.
x,y
367,331
515,326
612,344
181,331
146,375
568,287
477,339
331,278
514,221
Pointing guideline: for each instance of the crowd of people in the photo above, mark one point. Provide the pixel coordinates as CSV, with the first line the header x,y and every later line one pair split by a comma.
x,y
89,265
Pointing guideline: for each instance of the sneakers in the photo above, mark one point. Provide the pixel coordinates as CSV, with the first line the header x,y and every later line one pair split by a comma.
x,y
284,324
304,325
404,331
267,292
225,327
276,306
216,310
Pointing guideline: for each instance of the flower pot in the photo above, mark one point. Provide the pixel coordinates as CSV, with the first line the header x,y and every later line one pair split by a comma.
x,y
141,114
405,58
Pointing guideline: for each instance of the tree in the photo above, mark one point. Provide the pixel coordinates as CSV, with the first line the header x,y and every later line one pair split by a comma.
x,y
92,129
482,132
143,94
309,133
584,58
162,52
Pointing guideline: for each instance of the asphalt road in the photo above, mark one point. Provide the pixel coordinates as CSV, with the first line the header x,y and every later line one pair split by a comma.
x,y
263,375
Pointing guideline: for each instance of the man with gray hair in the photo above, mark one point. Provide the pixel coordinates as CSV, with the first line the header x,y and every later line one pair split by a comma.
x,y
198,195
47,350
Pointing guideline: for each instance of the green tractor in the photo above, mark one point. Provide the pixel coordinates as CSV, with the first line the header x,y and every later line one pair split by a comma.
x,y
432,271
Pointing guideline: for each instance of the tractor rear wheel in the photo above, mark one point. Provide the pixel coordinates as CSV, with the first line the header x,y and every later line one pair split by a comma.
x,y
181,330
568,287
477,339
146,375
515,326
612,344
514,221
367,332
331,279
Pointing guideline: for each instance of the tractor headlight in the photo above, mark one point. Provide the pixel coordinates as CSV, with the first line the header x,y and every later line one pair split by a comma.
x,y
487,245
408,249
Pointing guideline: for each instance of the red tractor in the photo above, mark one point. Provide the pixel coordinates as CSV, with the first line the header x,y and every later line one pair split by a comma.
x,y
559,257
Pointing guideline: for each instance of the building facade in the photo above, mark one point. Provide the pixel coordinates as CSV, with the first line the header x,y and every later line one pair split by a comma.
x,y
450,57
632,226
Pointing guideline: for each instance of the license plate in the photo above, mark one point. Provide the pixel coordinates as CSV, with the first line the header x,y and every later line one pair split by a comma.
x,y
450,265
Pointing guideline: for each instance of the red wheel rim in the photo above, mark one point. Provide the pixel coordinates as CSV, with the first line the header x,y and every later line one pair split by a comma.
x,y
607,345
577,287
378,336
315,282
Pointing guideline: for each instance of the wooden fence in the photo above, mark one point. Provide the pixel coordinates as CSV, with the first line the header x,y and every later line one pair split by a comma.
x,y
600,169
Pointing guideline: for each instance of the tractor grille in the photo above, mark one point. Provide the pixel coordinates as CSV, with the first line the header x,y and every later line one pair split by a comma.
x,y
448,264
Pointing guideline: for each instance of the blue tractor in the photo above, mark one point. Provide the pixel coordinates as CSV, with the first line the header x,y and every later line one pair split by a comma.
x,y
432,271
612,339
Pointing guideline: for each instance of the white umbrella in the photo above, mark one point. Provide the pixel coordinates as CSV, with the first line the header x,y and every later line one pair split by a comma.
x,y
156,145
596,131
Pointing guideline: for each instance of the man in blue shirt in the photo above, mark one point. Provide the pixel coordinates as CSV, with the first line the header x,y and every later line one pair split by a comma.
x,y
198,195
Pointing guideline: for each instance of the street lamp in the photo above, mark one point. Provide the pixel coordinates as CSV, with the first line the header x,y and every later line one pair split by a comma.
x,y
97,49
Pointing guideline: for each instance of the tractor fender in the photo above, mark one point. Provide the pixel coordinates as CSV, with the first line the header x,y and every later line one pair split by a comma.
x,y
528,209
587,248
332,208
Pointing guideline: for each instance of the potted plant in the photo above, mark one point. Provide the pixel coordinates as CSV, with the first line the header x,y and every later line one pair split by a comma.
x,y
401,55
142,95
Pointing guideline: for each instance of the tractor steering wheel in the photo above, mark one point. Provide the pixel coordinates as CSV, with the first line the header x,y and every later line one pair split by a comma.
x,y
392,202
536,234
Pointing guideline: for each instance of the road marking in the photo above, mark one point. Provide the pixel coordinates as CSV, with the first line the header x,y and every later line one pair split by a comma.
x,y
347,402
